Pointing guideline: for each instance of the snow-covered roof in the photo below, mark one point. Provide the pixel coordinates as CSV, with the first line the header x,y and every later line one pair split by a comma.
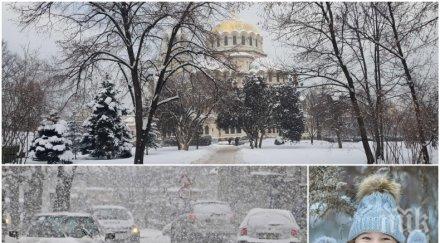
x,y
268,210
109,207
67,214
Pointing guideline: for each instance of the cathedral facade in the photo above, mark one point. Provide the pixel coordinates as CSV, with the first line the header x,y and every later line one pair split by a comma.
x,y
242,43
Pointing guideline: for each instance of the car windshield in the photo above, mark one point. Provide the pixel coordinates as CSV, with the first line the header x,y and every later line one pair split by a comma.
x,y
209,208
62,226
266,218
111,214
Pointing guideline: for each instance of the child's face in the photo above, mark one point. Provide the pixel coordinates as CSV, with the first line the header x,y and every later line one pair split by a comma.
x,y
374,237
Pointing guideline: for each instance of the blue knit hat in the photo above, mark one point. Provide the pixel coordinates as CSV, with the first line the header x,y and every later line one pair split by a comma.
x,y
325,239
377,209
417,236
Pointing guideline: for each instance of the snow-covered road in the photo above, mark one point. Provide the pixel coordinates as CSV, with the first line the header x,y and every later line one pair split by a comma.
x,y
153,236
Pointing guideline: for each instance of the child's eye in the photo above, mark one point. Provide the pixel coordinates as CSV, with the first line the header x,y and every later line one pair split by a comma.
x,y
365,238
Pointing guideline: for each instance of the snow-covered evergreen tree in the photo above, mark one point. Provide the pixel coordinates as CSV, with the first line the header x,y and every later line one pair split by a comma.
x,y
50,143
107,136
153,137
288,113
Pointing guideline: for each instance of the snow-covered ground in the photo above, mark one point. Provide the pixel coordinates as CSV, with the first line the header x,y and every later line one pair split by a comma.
x,y
303,152
164,155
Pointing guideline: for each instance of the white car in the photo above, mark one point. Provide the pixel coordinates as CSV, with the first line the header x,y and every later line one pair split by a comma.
x,y
268,226
203,221
62,227
118,221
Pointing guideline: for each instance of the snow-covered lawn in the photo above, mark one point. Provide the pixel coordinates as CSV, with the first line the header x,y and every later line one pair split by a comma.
x,y
303,152
165,155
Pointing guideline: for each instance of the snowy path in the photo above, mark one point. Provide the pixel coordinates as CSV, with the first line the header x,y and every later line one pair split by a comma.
x,y
222,154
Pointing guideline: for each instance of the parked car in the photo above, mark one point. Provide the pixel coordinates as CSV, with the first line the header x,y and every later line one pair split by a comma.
x,y
269,226
62,227
203,221
118,221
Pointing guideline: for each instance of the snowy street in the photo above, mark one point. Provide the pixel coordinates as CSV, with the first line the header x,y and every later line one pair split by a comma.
x,y
153,236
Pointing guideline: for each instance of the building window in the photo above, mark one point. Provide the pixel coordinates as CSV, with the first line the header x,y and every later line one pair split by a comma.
x,y
218,42
278,77
250,41
234,40
243,40
238,129
206,130
226,40
270,77
227,130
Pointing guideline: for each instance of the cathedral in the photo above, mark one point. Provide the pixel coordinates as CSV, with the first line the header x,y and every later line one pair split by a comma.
x,y
242,44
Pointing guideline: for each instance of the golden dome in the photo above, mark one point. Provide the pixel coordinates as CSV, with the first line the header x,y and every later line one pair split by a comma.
x,y
235,25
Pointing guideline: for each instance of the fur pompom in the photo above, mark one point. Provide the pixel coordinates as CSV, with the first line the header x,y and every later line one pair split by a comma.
x,y
378,183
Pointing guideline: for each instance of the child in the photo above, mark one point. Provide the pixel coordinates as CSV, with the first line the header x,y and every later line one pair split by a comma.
x,y
376,218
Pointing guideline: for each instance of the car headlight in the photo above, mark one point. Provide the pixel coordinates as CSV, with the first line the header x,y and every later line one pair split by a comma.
x,y
135,231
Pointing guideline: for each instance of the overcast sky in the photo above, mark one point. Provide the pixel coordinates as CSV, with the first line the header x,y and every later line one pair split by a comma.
x,y
44,43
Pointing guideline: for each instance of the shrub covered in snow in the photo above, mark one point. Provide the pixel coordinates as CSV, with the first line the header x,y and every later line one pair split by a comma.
x,y
107,136
50,143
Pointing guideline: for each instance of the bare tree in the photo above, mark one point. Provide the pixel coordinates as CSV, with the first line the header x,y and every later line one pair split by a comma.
x,y
318,33
411,31
129,37
185,116
23,90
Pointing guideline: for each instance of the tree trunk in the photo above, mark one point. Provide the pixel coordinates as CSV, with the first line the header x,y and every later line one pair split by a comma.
x,y
424,155
351,89
261,140
62,190
311,138
184,146
338,137
33,196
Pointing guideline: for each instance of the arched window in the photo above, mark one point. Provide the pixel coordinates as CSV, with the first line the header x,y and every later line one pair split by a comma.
x,y
226,40
234,40
250,40
206,130
238,129
243,40
227,130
